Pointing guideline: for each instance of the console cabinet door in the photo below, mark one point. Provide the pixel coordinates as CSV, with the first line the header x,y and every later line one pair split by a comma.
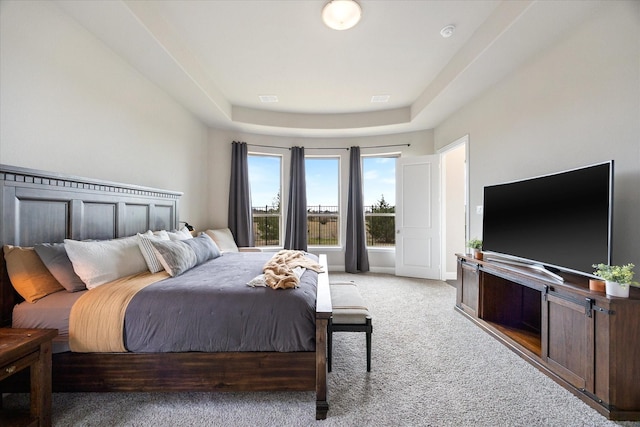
x,y
570,340
468,286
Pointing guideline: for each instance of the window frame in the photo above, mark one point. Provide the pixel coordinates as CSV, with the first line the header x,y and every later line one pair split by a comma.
x,y
337,214
368,208
279,214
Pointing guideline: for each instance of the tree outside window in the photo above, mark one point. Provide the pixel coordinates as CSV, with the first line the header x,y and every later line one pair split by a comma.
x,y
379,179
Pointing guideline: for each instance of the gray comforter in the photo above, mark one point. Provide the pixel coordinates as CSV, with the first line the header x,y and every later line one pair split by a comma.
x,y
210,308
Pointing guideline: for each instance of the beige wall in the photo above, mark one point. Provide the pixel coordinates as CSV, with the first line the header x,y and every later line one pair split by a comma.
x,y
69,104
381,260
575,104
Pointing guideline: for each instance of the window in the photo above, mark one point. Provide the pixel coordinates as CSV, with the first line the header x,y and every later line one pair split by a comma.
x,y
379,186
323,193
264,177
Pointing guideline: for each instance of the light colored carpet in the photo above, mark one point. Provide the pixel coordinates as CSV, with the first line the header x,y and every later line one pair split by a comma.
x,y
430,367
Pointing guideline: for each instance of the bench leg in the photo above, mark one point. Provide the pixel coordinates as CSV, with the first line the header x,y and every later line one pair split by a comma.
x,y
329,344
369,330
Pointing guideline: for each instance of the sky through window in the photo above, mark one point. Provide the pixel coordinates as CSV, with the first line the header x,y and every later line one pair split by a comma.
x,y
322,175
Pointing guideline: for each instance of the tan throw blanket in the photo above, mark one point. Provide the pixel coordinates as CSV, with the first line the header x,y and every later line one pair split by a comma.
x,y
278,271
96,322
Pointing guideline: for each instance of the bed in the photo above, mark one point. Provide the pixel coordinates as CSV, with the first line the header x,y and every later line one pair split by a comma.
x,y
38,206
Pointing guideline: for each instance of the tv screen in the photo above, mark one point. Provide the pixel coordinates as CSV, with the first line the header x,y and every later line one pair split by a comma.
x,y
562,220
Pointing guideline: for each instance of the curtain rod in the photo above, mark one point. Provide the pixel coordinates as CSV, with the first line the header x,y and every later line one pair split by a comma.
x,y
387,146
329,148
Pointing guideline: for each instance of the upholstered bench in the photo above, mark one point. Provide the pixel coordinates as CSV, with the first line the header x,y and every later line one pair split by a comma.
x,y
350,314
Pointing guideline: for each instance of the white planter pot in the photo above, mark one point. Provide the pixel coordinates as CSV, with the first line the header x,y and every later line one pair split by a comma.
x,y
615,289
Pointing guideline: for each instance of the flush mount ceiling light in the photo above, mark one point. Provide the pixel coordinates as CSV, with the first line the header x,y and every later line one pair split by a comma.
x,y
341,14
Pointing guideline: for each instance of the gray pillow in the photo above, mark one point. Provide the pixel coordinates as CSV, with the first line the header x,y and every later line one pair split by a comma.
x,y
178,256
204,247
54,257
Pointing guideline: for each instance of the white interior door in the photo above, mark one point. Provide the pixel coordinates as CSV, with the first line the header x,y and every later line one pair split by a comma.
x,y
418,217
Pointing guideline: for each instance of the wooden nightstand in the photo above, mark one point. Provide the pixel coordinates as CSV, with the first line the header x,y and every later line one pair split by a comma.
x,y
20,349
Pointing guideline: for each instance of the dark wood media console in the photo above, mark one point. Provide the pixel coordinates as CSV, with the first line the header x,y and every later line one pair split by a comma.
x,y
585,341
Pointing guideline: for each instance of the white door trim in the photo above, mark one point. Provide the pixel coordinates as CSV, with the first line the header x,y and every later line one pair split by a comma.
x,y
443,236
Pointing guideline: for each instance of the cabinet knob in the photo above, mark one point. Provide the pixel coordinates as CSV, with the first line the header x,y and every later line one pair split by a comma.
x,y
10,369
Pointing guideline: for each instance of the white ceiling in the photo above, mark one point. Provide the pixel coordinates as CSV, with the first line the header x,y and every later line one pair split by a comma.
x,y
217,57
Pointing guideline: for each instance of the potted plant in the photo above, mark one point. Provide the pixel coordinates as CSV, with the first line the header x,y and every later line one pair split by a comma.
x,y
618,278
476,248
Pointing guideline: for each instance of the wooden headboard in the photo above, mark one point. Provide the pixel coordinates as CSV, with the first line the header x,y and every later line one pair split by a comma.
x,y
38,207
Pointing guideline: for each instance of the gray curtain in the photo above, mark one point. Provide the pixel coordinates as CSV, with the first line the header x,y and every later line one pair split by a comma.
x,y
356,256
296,230
240,219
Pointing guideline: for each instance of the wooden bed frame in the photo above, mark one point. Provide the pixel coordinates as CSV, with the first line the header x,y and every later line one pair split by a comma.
x,y
38,206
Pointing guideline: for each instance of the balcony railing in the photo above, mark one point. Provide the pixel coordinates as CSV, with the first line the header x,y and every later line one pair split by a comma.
x,y
323,226
266,225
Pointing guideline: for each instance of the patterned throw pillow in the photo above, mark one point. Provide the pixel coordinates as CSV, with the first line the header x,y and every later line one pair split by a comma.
x,y
178,256
144,242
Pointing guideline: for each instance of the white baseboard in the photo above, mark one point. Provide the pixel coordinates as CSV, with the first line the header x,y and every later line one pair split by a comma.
x,y
383,270
450,275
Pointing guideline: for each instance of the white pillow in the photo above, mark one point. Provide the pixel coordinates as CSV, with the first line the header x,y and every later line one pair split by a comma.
x,y
224,239
257,281
97,263
144,242
181,234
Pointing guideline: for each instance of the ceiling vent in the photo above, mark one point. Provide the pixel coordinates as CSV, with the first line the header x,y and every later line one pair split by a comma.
x,y
268,98
380,98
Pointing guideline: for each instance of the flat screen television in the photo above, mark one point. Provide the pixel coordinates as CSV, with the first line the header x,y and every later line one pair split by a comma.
x,y
559,221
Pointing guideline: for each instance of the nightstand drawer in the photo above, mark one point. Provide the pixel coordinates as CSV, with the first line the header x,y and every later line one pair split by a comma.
x,y
18,365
